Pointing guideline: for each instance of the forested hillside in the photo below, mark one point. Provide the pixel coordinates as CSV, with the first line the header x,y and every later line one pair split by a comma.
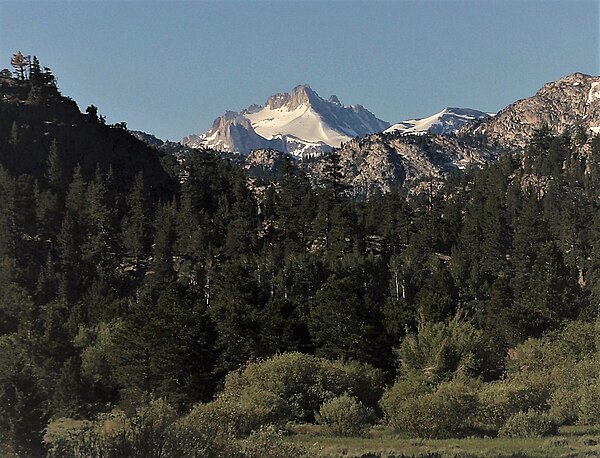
x,y
128,277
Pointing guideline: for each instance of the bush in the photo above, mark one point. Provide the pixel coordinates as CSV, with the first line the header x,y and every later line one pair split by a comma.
x,y
345,416
153,431
305,382
564,406
531,356
498,401
448,412
575,342
589,404
528,424
440,350
396,400
207,431
241,415
147,434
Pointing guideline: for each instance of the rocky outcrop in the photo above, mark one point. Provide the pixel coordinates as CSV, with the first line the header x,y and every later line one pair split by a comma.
x,y
562,105
381,163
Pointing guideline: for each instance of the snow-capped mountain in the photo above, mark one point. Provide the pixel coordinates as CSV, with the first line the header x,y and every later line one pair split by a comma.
x,y
446,121
300,123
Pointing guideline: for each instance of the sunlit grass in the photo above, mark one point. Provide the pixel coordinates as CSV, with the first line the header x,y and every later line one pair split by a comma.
x,y
382,442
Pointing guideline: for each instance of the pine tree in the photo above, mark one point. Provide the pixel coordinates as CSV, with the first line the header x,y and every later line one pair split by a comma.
x,y
23,402
55,169
338,324
20,63
163,271
137,223
75,201
164,348
237,309
101,249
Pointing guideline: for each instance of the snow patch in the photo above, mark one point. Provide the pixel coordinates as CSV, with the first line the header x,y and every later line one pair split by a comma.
x,y
594,93
302,122
447,120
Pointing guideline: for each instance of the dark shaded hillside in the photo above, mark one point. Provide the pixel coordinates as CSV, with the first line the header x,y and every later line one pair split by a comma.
x,y
34,115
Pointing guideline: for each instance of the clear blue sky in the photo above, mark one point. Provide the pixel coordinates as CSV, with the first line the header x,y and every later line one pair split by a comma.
x,y
171,67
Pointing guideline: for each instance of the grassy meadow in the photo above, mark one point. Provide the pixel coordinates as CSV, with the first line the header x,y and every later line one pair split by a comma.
x,y
382,442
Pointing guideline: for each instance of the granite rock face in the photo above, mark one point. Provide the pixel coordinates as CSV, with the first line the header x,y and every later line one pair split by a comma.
x,y
381,163
562,105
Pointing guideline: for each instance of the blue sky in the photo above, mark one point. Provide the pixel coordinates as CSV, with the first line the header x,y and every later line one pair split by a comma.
x,y
171,67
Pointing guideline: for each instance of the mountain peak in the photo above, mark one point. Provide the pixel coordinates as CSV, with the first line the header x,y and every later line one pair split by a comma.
x,y
449,120
334,99
302,95
276,101
569,102
299,122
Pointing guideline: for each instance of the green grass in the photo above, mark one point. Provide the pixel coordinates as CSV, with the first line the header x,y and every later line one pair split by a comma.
x,y
572,441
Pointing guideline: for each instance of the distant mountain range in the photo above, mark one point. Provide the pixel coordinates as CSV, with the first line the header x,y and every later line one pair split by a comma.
x,y
415,153
374,157
378,157
384,161
303,124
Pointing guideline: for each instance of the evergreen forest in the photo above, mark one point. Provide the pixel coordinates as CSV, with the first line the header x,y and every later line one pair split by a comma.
x,y
154,305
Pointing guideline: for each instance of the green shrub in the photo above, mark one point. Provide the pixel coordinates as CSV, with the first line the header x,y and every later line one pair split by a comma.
x,y
577,340
395,402
305,382
564,406
573,343
345,416
240,415
152,432
208,430
528,424
576,398
359,379
531,356
589,404
148,433
440,350
447,412
498,401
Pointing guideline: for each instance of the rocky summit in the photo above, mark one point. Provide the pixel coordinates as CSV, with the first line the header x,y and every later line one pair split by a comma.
x,y
563,105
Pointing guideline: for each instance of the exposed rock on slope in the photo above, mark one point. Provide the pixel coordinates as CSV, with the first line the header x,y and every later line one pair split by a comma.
x,y
561,105
380,163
